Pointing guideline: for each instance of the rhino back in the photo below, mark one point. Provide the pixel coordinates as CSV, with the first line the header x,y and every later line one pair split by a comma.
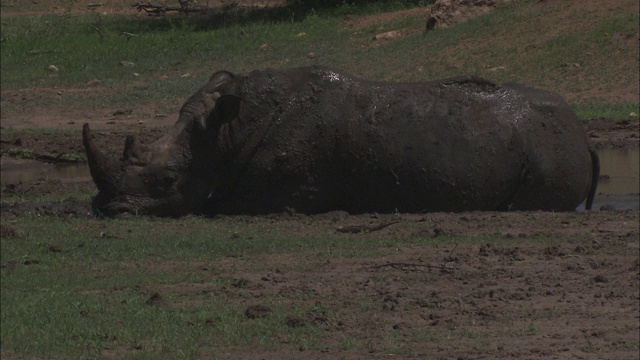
x,y
337,142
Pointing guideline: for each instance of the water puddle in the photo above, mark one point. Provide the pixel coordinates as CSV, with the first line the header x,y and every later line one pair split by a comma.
x,y
14,171
619,176
619,170
619,184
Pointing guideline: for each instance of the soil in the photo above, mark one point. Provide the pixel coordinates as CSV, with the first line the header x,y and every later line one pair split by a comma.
x,y
574,295
520,298
512,285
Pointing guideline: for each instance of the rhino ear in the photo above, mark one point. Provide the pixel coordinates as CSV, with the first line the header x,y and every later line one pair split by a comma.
x,y
221,77
227,108
216,80
227,100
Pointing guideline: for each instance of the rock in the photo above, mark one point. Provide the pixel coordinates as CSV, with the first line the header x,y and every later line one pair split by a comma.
x,y
445,13
389,35
127,64
121,112
607,207
257,311
497,68
295,321
8,231
155,299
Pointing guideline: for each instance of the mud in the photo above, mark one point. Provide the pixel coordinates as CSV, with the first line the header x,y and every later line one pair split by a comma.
x,y
515,296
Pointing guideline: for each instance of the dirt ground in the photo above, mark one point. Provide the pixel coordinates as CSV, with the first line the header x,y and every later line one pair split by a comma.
x,y
525,285
522,298
574,295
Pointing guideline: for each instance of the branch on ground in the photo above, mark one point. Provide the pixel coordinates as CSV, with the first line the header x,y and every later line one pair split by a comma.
x,y
185,7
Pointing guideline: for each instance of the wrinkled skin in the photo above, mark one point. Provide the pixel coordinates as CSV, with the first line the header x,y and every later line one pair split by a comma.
x,y
314,139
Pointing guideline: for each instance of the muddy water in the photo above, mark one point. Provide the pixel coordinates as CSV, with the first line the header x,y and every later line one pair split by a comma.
x,y
14,171
619,171
619,183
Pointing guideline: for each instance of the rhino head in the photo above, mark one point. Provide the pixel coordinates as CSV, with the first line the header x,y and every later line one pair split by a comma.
x,y
172,176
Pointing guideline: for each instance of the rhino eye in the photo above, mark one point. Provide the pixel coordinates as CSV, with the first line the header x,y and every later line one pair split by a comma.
x,y
158,183
163,181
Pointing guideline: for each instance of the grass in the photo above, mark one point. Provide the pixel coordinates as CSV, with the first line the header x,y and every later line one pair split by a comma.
x,y
208,240
9,131
80,288
90,323
78,193
63,303
81,54
21,153
607,111
167,48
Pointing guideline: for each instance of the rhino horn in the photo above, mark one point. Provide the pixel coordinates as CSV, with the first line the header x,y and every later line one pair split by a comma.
x,y
103,169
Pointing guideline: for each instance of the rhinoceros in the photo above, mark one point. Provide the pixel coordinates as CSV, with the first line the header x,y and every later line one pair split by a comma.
x,y
315,139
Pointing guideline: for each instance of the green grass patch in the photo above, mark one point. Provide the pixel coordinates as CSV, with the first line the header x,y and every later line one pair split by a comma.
x,y
82,288
91,47
10,131
608,111
21,153
195,238
81,53
77,193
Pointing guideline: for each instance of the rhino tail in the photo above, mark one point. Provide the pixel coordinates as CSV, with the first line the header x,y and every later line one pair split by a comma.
x,y
595,176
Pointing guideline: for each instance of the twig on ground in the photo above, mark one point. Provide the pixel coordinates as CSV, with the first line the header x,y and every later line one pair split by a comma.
x,y
450,257
99,32
400,265
184,7
129,35
55,158
39,52
355,229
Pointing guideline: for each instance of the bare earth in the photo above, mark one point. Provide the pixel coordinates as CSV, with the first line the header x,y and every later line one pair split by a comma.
x,y
576,297
527,285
